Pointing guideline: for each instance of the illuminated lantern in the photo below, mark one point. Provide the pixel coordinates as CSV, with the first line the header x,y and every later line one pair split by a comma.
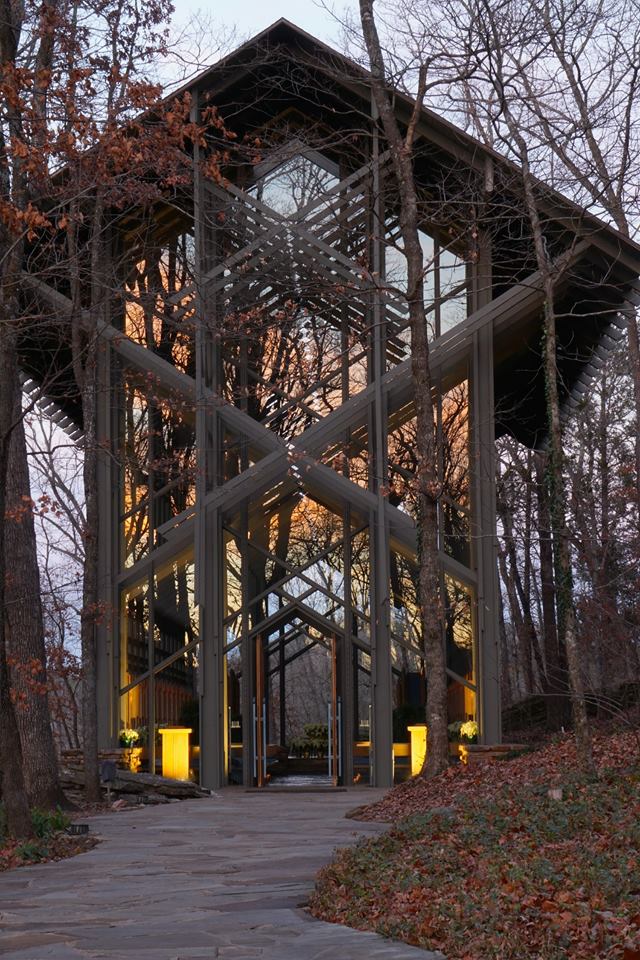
x,y
175,752
418,747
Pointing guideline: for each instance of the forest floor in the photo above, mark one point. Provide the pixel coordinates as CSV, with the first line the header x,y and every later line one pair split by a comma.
x,y
55,845
485,863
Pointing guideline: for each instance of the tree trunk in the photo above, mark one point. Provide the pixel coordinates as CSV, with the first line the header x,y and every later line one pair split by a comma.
x,y
556,685
506,683
12,787
561,548
520,602
430,593
523,638
562,552
89,612
25,630
85,346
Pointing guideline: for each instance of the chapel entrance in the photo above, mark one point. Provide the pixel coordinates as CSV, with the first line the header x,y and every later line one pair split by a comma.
x,y
297,709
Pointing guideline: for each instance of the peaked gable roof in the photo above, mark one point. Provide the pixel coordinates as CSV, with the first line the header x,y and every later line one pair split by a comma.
x,y
282,34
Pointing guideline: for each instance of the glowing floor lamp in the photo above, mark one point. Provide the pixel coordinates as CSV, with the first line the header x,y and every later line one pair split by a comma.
x,y
175,752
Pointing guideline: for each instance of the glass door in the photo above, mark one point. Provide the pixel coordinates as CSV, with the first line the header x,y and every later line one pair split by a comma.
x,y
259,719
334,721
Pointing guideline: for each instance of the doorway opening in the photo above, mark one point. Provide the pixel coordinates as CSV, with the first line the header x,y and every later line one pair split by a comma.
x,y
297,709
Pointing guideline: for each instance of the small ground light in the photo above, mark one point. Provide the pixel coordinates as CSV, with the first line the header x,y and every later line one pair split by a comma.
x,y
78,829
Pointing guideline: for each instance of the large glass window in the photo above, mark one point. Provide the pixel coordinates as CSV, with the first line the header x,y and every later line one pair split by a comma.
x,y
159,659
175,616
292,184
460,641
446,281
159,309
158,463
134,633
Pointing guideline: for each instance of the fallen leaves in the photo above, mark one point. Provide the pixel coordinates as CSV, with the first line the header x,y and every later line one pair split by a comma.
x,y
488,866
60,846
484,781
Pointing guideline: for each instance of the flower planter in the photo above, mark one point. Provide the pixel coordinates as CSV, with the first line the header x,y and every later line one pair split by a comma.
x,y
132,757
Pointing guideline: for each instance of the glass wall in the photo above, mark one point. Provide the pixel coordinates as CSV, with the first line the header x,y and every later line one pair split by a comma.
x,y
159,660
158,464
294,340
461,650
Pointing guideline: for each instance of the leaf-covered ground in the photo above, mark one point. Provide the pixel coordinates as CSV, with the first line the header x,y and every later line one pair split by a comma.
x,y
487,865
50,841
58,847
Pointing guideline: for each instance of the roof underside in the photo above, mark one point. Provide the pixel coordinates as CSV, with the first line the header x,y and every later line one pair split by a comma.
x,y
284,73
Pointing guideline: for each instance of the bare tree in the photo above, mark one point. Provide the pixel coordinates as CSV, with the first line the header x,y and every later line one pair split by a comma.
x,y
17,219
430,597
492,52
26,637
582,106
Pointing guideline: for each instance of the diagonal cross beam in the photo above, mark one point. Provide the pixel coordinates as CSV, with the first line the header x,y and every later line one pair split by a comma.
x,y
448,357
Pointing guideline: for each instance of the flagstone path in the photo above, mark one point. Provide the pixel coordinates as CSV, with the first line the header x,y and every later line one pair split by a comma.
x,y
213,879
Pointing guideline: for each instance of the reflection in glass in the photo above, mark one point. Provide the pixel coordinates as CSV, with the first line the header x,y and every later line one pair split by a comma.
x,y
233,574
173,464
293,184
459,629
159,463
160,303
177,704
396,263
406,627
453,307
362,716
135,471
134,633
454,504
175,616
234,738
134,711
445,288
461,702
455,443
360,584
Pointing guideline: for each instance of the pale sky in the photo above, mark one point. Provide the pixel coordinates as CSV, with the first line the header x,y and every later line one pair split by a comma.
x,y
252,16
249,17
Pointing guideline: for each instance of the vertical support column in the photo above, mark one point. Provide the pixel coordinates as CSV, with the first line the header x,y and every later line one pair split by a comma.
x,y
108,634
381,683
381,686
212,700
151,682
484,535
260,717
208,538
346,649
248,658
282,689
346,657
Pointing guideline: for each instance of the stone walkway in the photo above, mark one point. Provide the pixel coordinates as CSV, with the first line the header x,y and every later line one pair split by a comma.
x,y
195,880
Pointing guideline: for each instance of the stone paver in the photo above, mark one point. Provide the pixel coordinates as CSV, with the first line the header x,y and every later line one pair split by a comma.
x,y
214,879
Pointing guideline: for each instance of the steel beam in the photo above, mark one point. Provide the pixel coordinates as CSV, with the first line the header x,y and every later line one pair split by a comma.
x,y
483,516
